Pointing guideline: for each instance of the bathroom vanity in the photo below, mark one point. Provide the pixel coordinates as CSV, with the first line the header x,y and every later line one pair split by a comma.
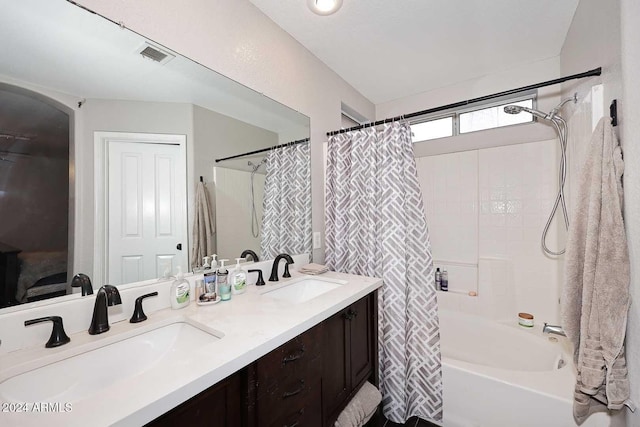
x,y
293,351
307,381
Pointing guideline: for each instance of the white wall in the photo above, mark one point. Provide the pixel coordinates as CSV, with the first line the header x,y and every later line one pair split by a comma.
x,y
630,127
236,39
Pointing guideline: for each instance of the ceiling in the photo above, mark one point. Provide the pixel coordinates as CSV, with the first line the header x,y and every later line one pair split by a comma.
x,y
393,49
59,46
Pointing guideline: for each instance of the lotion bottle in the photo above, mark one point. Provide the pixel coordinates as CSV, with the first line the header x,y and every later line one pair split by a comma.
x,y
222,280
238,279
179,292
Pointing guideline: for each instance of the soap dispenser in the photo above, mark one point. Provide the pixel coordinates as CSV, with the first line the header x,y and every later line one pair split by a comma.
x,y
206,263
179,292
238,279
214,262
222,280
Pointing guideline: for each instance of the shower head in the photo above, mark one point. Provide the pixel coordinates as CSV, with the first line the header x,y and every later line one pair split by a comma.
x,y
515,109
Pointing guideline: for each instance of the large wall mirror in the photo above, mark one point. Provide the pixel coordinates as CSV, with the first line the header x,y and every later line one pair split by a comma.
x,y
103,130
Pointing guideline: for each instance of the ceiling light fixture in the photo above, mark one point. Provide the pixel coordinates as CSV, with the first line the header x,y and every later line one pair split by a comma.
x,y
324,7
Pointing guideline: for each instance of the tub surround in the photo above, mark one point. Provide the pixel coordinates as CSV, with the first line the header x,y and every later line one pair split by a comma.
x,y
251,325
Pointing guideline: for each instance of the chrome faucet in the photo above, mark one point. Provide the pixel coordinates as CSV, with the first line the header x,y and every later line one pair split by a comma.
x,y
553,329
107,296
274,268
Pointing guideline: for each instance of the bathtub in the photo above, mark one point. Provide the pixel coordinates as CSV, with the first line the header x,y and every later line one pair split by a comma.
x,y
503,375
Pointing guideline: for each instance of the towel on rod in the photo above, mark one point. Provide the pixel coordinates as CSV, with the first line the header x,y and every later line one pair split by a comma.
x,y
595,297
203,226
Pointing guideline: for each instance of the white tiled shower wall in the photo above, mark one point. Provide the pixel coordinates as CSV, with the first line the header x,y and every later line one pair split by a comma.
x,y
486,210
233,211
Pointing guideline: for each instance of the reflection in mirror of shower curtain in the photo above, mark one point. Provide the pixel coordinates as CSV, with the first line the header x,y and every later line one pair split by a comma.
x,y
286,223
233,211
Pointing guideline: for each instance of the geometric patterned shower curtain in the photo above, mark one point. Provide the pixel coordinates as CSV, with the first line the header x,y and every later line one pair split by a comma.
x,y
286,221
376,226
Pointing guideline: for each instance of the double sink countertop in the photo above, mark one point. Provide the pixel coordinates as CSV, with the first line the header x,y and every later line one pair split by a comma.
x,y
239,332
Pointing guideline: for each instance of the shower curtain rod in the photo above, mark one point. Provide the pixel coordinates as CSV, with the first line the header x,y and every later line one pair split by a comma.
x,y
262,150
590,73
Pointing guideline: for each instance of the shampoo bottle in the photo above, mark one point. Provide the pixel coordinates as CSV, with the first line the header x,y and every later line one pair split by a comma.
x,y
179,292
444,280
238,279
222,280
438,279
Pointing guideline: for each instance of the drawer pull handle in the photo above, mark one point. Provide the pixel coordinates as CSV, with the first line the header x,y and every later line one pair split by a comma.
x,y
293,357
296,423
287,394
350,314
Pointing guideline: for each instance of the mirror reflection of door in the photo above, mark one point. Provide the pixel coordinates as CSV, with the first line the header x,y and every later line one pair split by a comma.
x,y
146,207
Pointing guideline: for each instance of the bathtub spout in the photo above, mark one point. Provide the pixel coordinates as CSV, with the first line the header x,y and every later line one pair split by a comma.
x,y
553,329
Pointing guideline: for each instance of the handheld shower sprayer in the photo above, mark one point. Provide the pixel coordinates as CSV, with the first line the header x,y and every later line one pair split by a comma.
x,y
560,126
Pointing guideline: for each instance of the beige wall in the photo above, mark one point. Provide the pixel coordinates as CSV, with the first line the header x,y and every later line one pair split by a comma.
x,y
236,39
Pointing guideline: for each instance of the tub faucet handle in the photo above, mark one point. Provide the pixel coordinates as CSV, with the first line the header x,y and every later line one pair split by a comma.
x,y
553,329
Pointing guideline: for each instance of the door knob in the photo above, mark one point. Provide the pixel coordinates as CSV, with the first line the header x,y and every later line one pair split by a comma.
x,y
179,246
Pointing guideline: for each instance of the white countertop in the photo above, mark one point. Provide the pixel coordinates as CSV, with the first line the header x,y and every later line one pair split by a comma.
x,y
252,325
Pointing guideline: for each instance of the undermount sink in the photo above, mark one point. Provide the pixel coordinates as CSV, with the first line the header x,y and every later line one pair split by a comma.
x,y
76,377
300,291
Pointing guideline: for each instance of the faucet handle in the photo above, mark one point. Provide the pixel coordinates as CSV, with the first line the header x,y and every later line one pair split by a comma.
x,y
260,281
138,313
58,336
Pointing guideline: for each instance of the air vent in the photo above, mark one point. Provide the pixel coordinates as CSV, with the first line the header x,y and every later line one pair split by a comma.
x,y
155,54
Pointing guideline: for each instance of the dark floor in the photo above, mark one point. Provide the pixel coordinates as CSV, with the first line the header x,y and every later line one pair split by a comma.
x,y
381,421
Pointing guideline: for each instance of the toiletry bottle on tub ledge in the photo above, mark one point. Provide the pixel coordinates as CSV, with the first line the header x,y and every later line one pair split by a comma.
x,y
444,280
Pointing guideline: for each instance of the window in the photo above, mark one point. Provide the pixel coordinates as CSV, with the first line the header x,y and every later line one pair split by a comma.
x,y
432,129
471,120
494,117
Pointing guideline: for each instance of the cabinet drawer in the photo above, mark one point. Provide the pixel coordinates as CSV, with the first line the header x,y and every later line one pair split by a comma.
x,y
296,358
286,400
309,414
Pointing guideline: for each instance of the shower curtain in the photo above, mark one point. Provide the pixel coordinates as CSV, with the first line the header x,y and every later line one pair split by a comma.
x,y
376,226
286,222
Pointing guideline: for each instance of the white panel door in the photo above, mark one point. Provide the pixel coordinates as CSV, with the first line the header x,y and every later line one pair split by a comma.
x,y
146,222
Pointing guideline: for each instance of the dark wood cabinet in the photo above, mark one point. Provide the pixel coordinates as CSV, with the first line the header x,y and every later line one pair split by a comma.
x,y
284,386
307,381
349,355
219,406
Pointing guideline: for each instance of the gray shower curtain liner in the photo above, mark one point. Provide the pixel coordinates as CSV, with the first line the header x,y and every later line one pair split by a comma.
x,y
286,222
376,226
